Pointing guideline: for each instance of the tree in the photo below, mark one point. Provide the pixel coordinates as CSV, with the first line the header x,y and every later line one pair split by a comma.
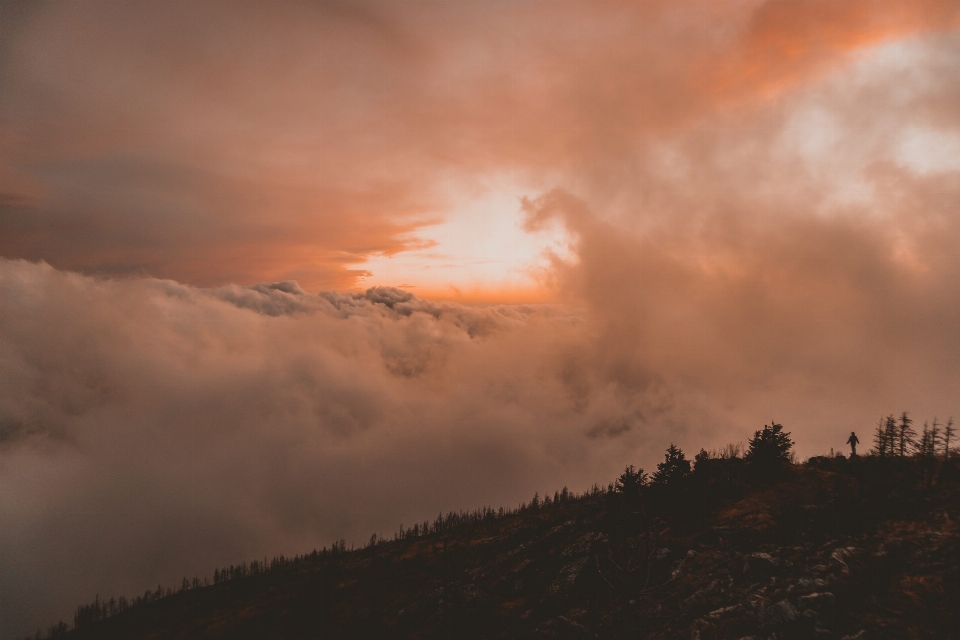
x,y
906,436
700,458
675,467
880,439
890,432
630,481
926,447
934,436
948,433
770,447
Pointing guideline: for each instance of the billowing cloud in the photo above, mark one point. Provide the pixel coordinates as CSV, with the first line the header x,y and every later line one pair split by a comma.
x,y
151,429
224,143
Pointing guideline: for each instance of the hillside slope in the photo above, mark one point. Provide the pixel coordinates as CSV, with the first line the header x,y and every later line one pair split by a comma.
x,y
834,548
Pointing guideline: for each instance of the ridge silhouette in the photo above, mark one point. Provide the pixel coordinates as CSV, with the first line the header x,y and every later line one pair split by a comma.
x,y
735,544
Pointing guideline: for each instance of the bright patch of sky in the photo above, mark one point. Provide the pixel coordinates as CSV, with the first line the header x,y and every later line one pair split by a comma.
x,y
864,114
929,150
480,246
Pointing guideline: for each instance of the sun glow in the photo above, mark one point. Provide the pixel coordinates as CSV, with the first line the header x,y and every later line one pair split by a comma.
x,y
478,253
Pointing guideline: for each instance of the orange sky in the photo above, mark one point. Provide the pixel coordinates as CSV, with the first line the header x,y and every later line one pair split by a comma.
x,y
349,145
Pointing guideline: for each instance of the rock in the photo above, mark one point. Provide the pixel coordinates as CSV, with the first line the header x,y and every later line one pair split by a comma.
x,y
817,601
761,564
469,592
523,565
725,612
677,570
778,615
847,558
582,546
572,623
567,576
697,627
695,601
807,583
860,635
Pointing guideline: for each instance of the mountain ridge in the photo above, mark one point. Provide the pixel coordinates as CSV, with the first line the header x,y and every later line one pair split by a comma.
x,y
728,547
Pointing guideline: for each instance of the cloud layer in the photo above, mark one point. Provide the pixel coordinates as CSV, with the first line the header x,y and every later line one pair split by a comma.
x,y
224,143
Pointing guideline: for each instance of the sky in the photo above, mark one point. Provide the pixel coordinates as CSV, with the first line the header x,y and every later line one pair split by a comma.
x,y
273,274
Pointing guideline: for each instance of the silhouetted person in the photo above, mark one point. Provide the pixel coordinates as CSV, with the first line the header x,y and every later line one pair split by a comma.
x,y
853,441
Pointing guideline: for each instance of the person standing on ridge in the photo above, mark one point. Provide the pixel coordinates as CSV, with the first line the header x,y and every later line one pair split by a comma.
x,y
853,441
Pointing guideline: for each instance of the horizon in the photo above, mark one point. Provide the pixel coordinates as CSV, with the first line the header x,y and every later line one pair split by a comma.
x,y
290,272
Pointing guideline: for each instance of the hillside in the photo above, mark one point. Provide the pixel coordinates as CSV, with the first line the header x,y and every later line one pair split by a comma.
x,y
866,547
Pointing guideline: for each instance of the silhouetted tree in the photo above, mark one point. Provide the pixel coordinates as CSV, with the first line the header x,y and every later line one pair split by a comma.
x,y
926,448
948,433
934,437
675,467
700,458
880,439
630,482
890,434
906,436
770,446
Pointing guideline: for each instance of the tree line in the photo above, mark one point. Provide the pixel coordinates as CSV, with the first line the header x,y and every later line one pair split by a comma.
x,y
897,437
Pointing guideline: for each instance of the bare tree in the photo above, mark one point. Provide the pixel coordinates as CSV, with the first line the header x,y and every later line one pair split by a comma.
x,y
934,436
947,437
926,447
880,437
906,436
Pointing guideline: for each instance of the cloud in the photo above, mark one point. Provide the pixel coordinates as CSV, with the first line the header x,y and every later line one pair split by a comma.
x,y
287,141
165,428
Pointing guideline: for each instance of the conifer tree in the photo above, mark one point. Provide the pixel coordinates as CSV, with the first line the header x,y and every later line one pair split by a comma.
x,y
880,439
631,480
906,436
926,441
770,445
948,433
674,467
890,434
934,436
